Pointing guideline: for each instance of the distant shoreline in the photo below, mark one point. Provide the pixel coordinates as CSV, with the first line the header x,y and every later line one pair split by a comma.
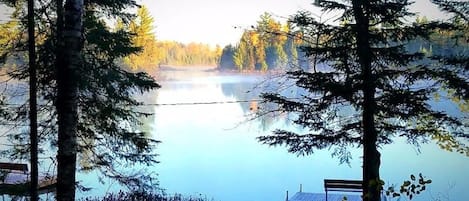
x,y
188,67
207,69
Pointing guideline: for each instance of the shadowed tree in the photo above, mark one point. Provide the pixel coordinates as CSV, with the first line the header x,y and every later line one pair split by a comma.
x,y
69,64
458,60
371,89
106,115
226,58
455,38
33,136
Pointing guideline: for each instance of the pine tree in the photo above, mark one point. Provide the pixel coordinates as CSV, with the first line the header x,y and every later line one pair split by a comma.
x,y
458,60
69,63
108,117
226,58
373,90
453,63
274,38
142,27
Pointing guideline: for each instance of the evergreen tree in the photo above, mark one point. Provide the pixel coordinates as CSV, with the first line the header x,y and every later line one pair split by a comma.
x,y
69,63
273,36
374,89
265,46
452,56
458,60
142,27
226,58
290,47
195,54
243,56
107,113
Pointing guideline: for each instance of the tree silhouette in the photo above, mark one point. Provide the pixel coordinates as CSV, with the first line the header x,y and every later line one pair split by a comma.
x,y
69,62
372,89
107,117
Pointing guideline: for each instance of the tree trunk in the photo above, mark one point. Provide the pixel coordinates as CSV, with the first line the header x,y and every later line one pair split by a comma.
x,y
32,103
69,61
371,156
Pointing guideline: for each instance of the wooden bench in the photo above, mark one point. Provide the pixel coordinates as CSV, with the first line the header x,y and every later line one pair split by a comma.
x,y
20,167
343,185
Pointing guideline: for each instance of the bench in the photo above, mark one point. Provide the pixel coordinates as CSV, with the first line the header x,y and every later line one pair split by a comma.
x,y
20,167
343,185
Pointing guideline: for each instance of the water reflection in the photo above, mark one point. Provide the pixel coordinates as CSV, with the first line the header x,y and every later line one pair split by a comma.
x,y
211,149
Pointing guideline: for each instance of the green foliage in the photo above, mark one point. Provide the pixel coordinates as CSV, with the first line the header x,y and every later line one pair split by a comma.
x,y
192,54
240,55
108,113
371,89
398,97
226,58
269,45
155,53
452,51
142,28
459,9
9,33
409,188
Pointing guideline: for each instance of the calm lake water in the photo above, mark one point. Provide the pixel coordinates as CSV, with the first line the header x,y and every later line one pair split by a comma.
x,y
210,150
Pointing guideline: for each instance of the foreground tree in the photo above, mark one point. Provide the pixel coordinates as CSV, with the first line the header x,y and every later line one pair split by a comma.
x,y
68,65
457,41
32,103
451,52
107,138
371,90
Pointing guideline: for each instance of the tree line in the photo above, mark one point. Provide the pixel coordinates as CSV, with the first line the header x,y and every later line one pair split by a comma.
x,y
87,111
155,53
266,46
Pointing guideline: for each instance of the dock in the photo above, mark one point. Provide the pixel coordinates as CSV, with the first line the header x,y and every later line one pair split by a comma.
x,y
15,180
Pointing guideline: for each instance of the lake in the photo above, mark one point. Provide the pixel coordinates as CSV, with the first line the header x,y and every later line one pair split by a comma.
x,y
210,149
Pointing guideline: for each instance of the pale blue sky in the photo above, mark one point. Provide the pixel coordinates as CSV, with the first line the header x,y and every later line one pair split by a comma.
x,y
213,21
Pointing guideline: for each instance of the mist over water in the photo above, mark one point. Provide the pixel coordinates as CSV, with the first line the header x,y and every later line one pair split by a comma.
x,y
211,149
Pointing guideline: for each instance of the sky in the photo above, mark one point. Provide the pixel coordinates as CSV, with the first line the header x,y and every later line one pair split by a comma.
x,y
213,21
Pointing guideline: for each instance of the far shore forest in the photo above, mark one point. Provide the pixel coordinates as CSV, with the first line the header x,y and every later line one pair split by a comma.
x,y
72,69
267,45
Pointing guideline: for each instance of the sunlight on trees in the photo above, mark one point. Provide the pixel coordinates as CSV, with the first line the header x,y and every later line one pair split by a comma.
x,y
107,115
142,27
267,46
155,53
